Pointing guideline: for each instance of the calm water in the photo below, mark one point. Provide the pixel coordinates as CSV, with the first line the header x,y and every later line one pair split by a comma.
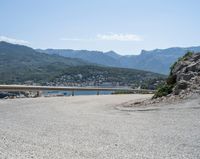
x,y
69,93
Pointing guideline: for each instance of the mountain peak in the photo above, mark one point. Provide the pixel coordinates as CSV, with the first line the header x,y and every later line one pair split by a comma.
x,y
113,54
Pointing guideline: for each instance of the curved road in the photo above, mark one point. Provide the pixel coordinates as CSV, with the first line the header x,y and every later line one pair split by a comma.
x,y
92,127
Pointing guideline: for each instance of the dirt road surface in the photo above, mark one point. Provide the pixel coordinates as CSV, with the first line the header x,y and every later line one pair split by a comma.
x,y
92,127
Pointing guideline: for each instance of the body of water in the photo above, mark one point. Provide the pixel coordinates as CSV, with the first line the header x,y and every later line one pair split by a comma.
x,y
69,93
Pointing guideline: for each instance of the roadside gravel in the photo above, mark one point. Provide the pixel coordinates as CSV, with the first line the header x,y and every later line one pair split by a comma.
x,y
95,127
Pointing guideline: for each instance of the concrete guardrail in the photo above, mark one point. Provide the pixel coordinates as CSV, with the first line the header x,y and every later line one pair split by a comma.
x,y
18,88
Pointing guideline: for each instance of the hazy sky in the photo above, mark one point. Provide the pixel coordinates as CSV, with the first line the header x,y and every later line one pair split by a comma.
x,y
125,26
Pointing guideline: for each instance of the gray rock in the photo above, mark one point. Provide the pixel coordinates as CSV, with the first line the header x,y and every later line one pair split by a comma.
x,y
196,57
179,66
186,76
194,67
181,85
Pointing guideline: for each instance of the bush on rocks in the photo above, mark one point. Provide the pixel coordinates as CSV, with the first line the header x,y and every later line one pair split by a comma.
x,y
184,75
163,90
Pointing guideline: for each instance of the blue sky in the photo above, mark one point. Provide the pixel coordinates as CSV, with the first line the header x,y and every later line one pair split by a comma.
x,y
125,26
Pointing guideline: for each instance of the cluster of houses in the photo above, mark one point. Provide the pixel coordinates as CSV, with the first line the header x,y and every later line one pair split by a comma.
x,y
99,80
80,81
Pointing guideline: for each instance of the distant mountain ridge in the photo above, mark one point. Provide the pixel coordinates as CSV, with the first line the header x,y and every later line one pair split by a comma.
x,y
97,57
158,60
21,64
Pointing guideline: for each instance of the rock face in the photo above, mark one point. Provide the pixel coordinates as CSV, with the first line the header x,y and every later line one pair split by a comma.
x,y
183,82
187,73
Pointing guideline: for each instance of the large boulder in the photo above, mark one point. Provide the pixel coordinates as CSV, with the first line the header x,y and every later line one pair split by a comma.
x,y
179,66
187,73
194,67
181,85
184,78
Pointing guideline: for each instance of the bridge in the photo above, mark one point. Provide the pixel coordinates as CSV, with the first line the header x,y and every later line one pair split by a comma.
x,y
38,89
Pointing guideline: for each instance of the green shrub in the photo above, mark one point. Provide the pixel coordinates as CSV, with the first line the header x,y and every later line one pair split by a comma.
x,y
167,87
188,54
172,67
164,90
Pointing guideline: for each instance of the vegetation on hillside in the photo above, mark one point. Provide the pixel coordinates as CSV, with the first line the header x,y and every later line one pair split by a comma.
x,y
21,64
102,75
167,87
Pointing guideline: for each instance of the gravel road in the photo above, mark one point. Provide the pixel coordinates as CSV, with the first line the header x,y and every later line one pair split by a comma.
x,y
92,127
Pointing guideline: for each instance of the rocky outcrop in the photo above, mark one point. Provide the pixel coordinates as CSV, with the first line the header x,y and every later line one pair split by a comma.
x,y
182,83
187,72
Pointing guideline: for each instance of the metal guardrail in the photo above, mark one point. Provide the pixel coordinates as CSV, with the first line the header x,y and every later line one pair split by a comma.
x,y
18,88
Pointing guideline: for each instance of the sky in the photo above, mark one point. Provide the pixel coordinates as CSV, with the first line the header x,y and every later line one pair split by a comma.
x,y
124,26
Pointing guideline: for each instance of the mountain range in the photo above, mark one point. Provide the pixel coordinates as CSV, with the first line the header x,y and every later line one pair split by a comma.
x,y
19,64
158,60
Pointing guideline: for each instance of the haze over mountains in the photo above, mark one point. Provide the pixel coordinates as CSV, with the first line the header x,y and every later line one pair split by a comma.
x,y
19,64
158,60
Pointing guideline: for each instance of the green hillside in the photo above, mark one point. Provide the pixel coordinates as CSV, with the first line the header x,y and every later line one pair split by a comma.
x,y
87,75
19,64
